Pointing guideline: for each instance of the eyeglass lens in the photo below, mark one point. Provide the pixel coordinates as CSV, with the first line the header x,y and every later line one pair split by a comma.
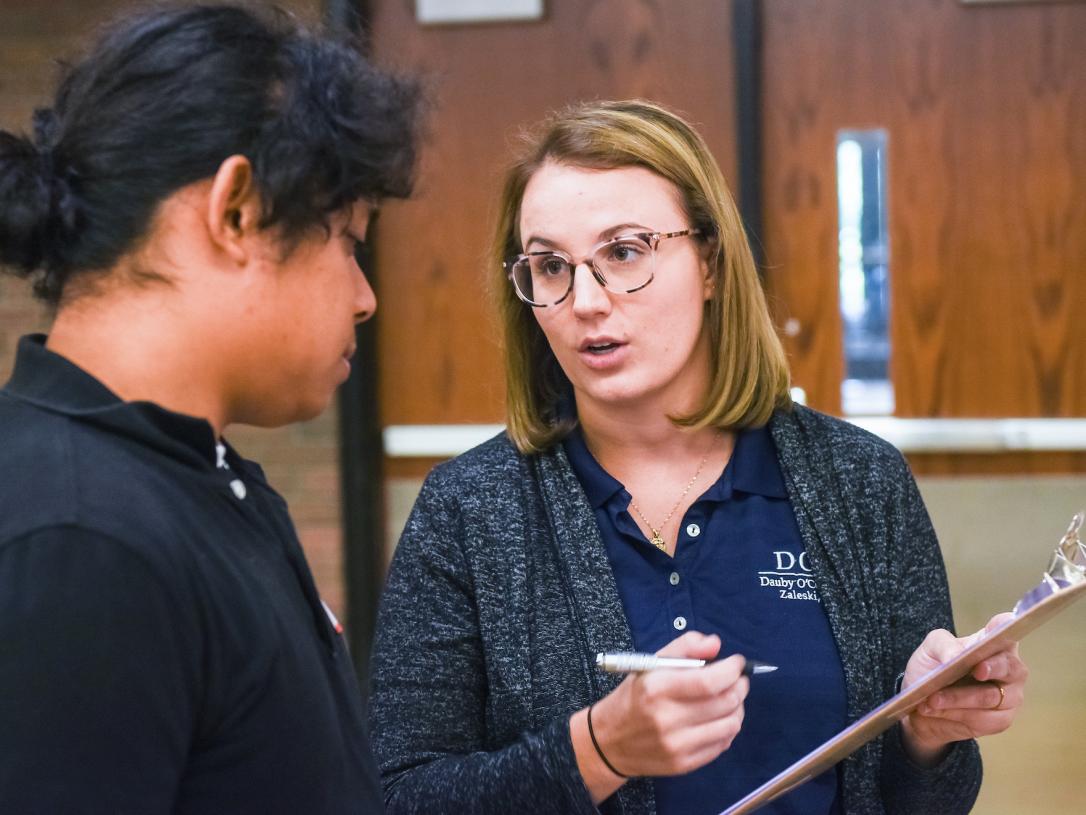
x,y
621,265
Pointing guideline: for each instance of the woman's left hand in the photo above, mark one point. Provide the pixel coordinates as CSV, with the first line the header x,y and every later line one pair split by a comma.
x,y
986,702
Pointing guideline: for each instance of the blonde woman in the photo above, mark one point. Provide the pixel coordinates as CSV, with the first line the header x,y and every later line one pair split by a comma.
x,y
656,490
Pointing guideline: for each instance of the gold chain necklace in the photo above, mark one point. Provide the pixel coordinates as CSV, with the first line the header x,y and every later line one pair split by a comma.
x,y
656,540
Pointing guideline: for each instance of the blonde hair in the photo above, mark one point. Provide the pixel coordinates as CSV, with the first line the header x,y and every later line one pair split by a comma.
x,y
749,377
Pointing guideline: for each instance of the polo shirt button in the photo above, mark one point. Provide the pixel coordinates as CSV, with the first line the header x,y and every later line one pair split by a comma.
x,y
680,623
674,579
238,486
693,530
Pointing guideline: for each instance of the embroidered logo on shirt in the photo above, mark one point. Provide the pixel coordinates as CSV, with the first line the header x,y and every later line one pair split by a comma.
x,y
790,577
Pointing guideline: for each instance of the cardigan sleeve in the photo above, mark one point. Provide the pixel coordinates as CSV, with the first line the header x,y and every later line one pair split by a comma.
x,y
921,604
430,702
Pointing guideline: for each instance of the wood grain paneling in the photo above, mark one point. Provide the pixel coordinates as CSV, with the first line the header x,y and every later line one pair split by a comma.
x,y
1017,463
922,464
438,342
986,113
800,194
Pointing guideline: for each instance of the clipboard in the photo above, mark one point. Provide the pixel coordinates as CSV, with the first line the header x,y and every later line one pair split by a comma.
x,y
1061,585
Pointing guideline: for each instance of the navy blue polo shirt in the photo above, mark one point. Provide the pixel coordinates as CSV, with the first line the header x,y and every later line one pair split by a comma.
x,y
739,571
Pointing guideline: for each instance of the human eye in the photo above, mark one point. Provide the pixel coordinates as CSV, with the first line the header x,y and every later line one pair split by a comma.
x,y
625,251
358,249
549,265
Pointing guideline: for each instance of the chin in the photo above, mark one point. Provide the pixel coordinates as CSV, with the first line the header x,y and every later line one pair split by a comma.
x,y
617,396
271,415
634,393
311,410
617,385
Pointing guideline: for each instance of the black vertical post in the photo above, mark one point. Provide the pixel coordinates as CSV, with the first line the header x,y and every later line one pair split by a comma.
x,y
361,452
747,45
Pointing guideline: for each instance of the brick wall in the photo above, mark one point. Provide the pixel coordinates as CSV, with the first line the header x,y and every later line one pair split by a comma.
x,y
300,461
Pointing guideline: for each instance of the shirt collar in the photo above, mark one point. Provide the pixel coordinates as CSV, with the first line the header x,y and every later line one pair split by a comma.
x,y
599,485
753,469
52,382
754,466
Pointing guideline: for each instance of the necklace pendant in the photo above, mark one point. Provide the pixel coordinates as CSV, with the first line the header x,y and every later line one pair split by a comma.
x,y
658,542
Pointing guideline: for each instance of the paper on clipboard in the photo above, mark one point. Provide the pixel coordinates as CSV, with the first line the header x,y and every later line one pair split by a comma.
x,y
1062,584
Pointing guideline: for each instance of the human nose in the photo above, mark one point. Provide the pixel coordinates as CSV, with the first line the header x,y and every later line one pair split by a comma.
x,y
365,301
589,295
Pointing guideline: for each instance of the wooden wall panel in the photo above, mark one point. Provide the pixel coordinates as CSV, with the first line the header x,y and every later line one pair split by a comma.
x,y
800,190
986,112
997,464
438,342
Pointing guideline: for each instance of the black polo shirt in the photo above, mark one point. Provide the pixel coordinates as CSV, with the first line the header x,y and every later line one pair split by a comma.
x,y
162,645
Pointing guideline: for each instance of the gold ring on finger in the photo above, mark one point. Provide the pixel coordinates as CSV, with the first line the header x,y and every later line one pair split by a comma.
x,y
1002,695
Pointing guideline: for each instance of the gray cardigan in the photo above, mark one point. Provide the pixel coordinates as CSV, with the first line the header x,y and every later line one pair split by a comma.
x,y
500,594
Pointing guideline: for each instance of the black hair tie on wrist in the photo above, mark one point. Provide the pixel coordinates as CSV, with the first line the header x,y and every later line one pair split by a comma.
x,y
596,744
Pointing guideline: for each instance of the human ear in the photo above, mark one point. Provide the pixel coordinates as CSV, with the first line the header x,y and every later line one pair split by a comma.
x,y
233,208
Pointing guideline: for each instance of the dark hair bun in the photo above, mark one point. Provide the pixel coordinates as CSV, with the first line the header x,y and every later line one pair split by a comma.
x,y
162,99
26,204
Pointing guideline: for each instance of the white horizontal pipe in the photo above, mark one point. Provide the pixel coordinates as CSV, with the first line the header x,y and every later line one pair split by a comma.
x,y
908,435
977,435
435,440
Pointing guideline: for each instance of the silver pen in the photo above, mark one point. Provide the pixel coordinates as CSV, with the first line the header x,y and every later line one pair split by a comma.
x,y
626,662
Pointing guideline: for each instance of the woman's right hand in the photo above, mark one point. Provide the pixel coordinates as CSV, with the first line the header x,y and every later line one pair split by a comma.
x,y
663,722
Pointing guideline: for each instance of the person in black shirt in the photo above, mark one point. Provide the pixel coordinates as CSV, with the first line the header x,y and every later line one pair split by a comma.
x,y
191,205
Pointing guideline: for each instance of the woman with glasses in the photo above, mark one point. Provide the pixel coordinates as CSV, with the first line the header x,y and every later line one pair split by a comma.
x,y
657,491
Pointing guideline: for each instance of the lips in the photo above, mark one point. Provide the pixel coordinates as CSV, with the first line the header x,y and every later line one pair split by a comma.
x,y
599,345
346,360
603,354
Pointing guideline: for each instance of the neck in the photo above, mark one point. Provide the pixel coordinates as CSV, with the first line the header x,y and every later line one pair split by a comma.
x,y
622,443
137,346
658,464
624,432
642,428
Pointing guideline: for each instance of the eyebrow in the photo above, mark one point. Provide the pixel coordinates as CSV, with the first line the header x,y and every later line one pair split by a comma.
x,y
606,234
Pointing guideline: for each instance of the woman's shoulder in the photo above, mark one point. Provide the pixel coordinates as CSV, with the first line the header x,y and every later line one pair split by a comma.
x,y
488,491
491,472
496,457
808,432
